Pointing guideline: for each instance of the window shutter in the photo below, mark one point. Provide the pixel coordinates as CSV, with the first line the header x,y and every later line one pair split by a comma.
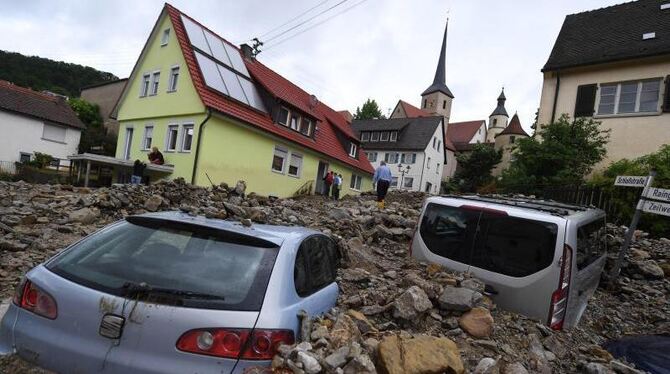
x,y
666,97
586,100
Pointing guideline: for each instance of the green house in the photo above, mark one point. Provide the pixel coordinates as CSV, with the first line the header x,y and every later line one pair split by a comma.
x,y
219,115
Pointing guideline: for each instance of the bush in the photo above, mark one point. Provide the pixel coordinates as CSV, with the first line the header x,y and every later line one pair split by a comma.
x,y
474,168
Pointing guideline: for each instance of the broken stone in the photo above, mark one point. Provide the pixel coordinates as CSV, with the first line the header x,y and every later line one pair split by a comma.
x,y
153,203
84,215
412,303
478,322
459,298
423,354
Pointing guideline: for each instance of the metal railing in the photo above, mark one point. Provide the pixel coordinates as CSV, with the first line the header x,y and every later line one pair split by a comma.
x,y
617,203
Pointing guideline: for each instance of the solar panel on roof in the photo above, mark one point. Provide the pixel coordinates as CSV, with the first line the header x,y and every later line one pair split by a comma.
x,y
211,73
236,59
233,85
196,35
252,94
216,45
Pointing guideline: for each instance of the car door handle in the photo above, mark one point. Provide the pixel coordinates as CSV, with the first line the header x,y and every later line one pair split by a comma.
x,y
490,290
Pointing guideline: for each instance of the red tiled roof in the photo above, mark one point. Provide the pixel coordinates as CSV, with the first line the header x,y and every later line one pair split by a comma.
x,y
411,111
328,120
448,144
462,132
514,128
36,104
347,115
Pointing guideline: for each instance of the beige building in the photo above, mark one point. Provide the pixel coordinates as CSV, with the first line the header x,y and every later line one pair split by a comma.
x,y
613,64
106,95
506,141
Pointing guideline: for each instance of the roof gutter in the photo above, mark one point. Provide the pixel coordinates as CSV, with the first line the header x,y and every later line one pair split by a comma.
x,y
197,146
558,87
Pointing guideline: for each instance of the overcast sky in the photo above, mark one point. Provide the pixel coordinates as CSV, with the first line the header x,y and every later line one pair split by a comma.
x,y
382,49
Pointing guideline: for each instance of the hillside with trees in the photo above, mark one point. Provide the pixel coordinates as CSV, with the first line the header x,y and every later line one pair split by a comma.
x,y
41,74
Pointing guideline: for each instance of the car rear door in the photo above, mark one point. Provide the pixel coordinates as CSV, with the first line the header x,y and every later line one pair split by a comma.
x,y
589,240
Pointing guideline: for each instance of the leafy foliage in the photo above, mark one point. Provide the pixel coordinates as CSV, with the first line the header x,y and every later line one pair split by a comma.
x,y
41,160
94,137
564,153
474,168
370,110
44,74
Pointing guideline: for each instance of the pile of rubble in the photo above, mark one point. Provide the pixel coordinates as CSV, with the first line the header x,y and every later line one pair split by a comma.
x,y
394,314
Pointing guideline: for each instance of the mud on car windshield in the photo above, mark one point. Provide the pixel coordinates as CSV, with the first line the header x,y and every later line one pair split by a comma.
x,y
499,243
199,266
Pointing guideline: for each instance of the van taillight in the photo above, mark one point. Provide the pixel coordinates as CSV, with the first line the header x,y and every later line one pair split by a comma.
x,y
559,298
32,298
235,343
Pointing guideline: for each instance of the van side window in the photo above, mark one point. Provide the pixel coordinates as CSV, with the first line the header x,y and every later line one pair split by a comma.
x,y
300,274
514,246
449,231
591,243
315,265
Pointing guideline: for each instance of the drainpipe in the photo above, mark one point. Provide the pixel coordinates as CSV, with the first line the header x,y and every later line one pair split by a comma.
x,y
197,147
558,86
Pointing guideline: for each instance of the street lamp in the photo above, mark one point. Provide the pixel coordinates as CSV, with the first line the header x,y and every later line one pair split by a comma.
x,y
402,172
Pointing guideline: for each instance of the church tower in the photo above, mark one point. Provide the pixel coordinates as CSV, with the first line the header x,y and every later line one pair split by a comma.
x,y
437,98
498,119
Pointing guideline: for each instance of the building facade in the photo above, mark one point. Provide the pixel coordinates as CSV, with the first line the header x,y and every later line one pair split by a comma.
x,y
505,141
106,96
36,122
613,65
219,115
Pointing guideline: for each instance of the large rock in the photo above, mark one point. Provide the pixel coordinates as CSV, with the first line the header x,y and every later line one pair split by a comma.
x,y
650,269
412,303
423,354
339,214
84,215
235,210
344,331
153,203
478,322
459,298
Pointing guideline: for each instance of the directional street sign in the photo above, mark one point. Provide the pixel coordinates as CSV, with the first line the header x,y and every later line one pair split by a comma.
x,y
656,208
630,181
658,194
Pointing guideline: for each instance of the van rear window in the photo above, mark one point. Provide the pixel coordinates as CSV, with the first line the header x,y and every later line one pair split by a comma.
x,y
511,246
591,243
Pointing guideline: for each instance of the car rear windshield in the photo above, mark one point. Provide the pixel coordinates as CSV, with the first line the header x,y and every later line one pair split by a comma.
x,y
499,243
230,269
591,242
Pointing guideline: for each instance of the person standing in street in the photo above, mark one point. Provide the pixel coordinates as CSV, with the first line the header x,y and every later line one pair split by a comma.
x,y
382,179
337,186
138,172
327,183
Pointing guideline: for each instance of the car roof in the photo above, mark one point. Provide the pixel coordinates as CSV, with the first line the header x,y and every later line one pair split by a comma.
x,y
272,233
551,207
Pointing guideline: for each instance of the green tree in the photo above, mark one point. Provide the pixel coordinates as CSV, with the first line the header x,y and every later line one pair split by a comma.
x,y
370,110
563,154
474,168
94,137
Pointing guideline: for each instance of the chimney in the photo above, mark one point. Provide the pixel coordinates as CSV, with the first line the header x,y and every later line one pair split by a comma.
x,y
313,101
247,51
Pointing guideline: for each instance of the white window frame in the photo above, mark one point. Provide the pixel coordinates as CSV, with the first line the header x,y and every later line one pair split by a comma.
x,y
394,182
437,168
310,126
355,182
182,141
353,150
145,85
394,136
168,137
165,37
384,136
638,94
373,138
283,153
290,163
296,116
288,116
428,164
173,82
404,182
147,128
155,83
365,136
128,142
372,156
61,129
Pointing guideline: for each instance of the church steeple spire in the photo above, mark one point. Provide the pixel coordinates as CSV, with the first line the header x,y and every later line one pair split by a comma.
x,y
440,81
500,109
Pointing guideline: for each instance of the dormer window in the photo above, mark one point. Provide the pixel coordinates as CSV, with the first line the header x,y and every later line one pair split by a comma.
x,y
306,126
283,116
384,136
374,137
352,150
365,136
295,121
394,136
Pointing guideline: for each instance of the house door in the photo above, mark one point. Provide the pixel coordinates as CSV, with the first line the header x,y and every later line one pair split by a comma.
x,y
321,172
128,144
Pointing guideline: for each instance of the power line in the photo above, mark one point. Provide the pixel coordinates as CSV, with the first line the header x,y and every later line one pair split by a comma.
x,y
307,20
314,25
294,18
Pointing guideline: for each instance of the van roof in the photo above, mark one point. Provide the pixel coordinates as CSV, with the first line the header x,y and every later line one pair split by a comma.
x,y
548,206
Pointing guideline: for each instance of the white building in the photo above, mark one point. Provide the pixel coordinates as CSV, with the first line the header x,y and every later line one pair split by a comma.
x,y
413,145
36,122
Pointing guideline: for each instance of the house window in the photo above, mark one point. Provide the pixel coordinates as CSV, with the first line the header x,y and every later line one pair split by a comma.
x,y
174,77
408,158
283,116
372,156
439,145
428,164
355,183
295,165
394,136
437,168
187,138
365,136
429,186
394,182
629,97
408,182
278,160
511,139
295,120
148,137
165,38
144,89
54,133
495,121
155,78
435,141
24,158
352,150
384,136
424,103
171,139
306,126
444,104
374,137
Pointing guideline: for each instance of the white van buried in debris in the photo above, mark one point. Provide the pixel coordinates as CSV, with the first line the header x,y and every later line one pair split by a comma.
x,y
539,258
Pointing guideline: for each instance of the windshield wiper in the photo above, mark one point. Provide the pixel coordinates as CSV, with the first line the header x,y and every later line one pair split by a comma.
x,y
142,288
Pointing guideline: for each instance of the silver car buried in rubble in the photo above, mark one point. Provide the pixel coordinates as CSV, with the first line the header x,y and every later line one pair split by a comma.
x,y
171,293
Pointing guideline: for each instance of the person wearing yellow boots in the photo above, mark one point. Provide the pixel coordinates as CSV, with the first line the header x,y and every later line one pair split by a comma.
x,y
382,179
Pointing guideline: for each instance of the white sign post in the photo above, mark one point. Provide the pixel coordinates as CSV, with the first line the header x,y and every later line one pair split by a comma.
x,y
660,194
630,181
656,208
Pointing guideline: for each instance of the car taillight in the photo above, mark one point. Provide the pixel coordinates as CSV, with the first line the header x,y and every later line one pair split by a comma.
x,y
32,298
235,343
559,298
